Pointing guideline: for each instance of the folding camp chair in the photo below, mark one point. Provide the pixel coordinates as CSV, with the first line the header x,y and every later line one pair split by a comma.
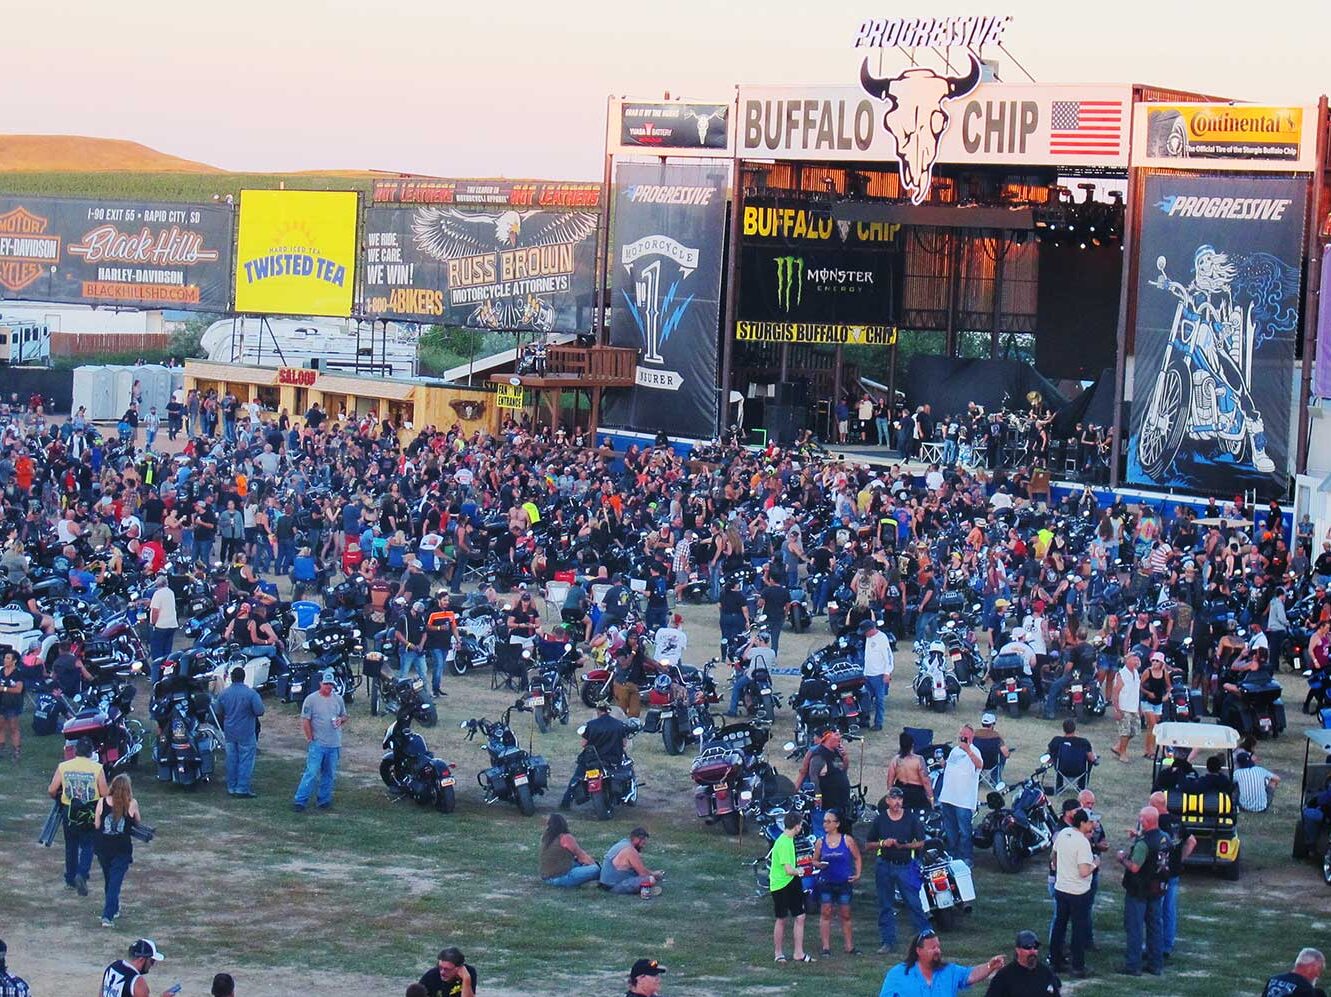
x,y
992,773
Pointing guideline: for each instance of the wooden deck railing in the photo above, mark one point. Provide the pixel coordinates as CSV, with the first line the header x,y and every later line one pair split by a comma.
x,y
594,363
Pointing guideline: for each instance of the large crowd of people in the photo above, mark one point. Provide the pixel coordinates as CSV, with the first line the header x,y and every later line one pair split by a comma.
x,y
316,498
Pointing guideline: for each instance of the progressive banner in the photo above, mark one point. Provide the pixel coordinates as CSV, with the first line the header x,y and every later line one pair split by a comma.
x,y
666,260
128,254
813,332
483,254
1218,310
296,252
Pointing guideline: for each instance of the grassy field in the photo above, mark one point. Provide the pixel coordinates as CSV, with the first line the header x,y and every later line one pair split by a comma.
x,y
360,899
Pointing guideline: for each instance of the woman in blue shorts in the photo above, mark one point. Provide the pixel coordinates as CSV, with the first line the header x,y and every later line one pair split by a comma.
x,y
839,859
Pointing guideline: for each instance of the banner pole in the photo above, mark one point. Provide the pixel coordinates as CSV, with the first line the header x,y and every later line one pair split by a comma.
x,y
732,279
1127,312
603,235
1312,284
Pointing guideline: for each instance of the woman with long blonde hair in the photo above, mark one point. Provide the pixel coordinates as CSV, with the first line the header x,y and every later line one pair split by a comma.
x,y
117,813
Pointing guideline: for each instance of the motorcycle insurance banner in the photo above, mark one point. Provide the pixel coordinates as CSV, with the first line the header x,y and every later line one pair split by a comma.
x,y
487,254
122,253
1218,308
296,252
666,259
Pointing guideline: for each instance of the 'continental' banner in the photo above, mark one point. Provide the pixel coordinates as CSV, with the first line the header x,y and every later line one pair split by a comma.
x,y
1224,137
487,254
810,332
121,253
296,252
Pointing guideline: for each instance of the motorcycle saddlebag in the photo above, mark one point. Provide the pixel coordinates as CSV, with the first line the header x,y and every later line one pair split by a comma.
x,y
965,883
651,723
539,773
45,716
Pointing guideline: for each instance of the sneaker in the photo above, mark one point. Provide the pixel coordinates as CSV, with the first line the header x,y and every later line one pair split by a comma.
x,y
886,949
107,923
81,885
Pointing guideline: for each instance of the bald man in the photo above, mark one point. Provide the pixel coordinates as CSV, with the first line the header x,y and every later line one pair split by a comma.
x,y
1182,844
1099,845
1145,880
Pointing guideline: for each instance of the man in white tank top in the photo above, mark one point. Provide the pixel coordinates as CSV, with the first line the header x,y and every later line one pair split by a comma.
x,y
1126,697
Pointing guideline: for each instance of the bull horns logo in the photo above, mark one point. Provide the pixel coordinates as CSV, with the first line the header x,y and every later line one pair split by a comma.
x,y
916,118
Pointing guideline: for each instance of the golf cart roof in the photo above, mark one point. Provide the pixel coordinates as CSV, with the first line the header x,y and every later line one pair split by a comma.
x,y
1210,737
1318,736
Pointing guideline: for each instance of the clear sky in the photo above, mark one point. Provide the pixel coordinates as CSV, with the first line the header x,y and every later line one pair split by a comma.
x,y
518,87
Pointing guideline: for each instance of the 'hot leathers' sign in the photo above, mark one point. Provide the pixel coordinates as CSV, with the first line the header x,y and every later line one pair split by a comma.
x,y
129,254
505,254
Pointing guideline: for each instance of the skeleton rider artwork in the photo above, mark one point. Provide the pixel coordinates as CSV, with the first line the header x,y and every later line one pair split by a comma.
x,y
1210,347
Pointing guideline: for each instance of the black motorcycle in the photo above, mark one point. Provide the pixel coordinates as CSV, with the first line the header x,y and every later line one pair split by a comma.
x,y
606,785
1256,708
188,731
407,767
546,697
514,774
1010,687
679,706
1022,829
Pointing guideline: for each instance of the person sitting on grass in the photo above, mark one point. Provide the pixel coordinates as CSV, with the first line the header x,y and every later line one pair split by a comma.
x,y
562,860
622,869
451,976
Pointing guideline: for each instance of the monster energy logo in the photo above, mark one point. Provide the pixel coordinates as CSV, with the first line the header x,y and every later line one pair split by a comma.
x,y
789,281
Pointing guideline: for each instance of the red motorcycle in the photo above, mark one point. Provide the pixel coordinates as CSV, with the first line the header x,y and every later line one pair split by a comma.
x,y
117,740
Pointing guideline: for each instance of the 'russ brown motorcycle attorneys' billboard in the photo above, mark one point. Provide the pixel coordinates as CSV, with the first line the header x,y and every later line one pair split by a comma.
x,y
1218,309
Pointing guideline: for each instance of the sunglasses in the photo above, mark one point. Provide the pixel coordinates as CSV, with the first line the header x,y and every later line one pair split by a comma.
x,y
1029,948
925,935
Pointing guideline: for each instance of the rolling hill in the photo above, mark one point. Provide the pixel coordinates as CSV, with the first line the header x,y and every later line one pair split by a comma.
x,y
78,153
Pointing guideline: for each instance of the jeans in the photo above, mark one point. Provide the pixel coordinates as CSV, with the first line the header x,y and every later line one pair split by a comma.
x,y
888,878
321,764
575,877
742,682
884,437
239,765
1056,688
877,686
821,593
78,854
1073,908
949,451
409,662
160,640
114,868
438,662
1275,640
774,628
286,556
203,550
1169,916
268,651
731,624
631,885
957,829
925,625
1141,917
459,569
714,582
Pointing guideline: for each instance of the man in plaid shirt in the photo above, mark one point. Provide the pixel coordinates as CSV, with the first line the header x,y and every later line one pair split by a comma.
x,y
10,985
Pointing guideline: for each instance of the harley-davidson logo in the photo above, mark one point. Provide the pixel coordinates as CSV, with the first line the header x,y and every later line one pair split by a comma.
x,y
469,410
26,251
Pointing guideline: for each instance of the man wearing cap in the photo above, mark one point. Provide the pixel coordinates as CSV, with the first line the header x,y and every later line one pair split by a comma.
x,y
1026,975
990,744
894,835
878,667
827,772
162,617
322,717
10,984
645,978
127,977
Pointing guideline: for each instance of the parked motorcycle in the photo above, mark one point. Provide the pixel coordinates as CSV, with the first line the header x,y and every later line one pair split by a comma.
x,y
408,767
1010,687
545,697
514,775
117,739
604,785
732,777
678,706
947,889
1022,829
936,685
188,731
1256,708
1082,698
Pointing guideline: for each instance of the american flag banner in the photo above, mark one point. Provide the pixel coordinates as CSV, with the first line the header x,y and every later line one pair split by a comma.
x,y
1086,127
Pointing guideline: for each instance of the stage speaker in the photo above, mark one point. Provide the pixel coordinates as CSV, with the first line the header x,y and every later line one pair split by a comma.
x,y
784,423
792,393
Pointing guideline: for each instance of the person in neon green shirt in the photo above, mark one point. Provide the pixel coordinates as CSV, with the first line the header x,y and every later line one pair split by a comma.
x,y
787,887
533,513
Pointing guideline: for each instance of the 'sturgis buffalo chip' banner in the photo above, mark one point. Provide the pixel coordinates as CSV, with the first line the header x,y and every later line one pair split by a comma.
x,y
128,254
765,221
296,252
665,261
679,128
504,255
1218,308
